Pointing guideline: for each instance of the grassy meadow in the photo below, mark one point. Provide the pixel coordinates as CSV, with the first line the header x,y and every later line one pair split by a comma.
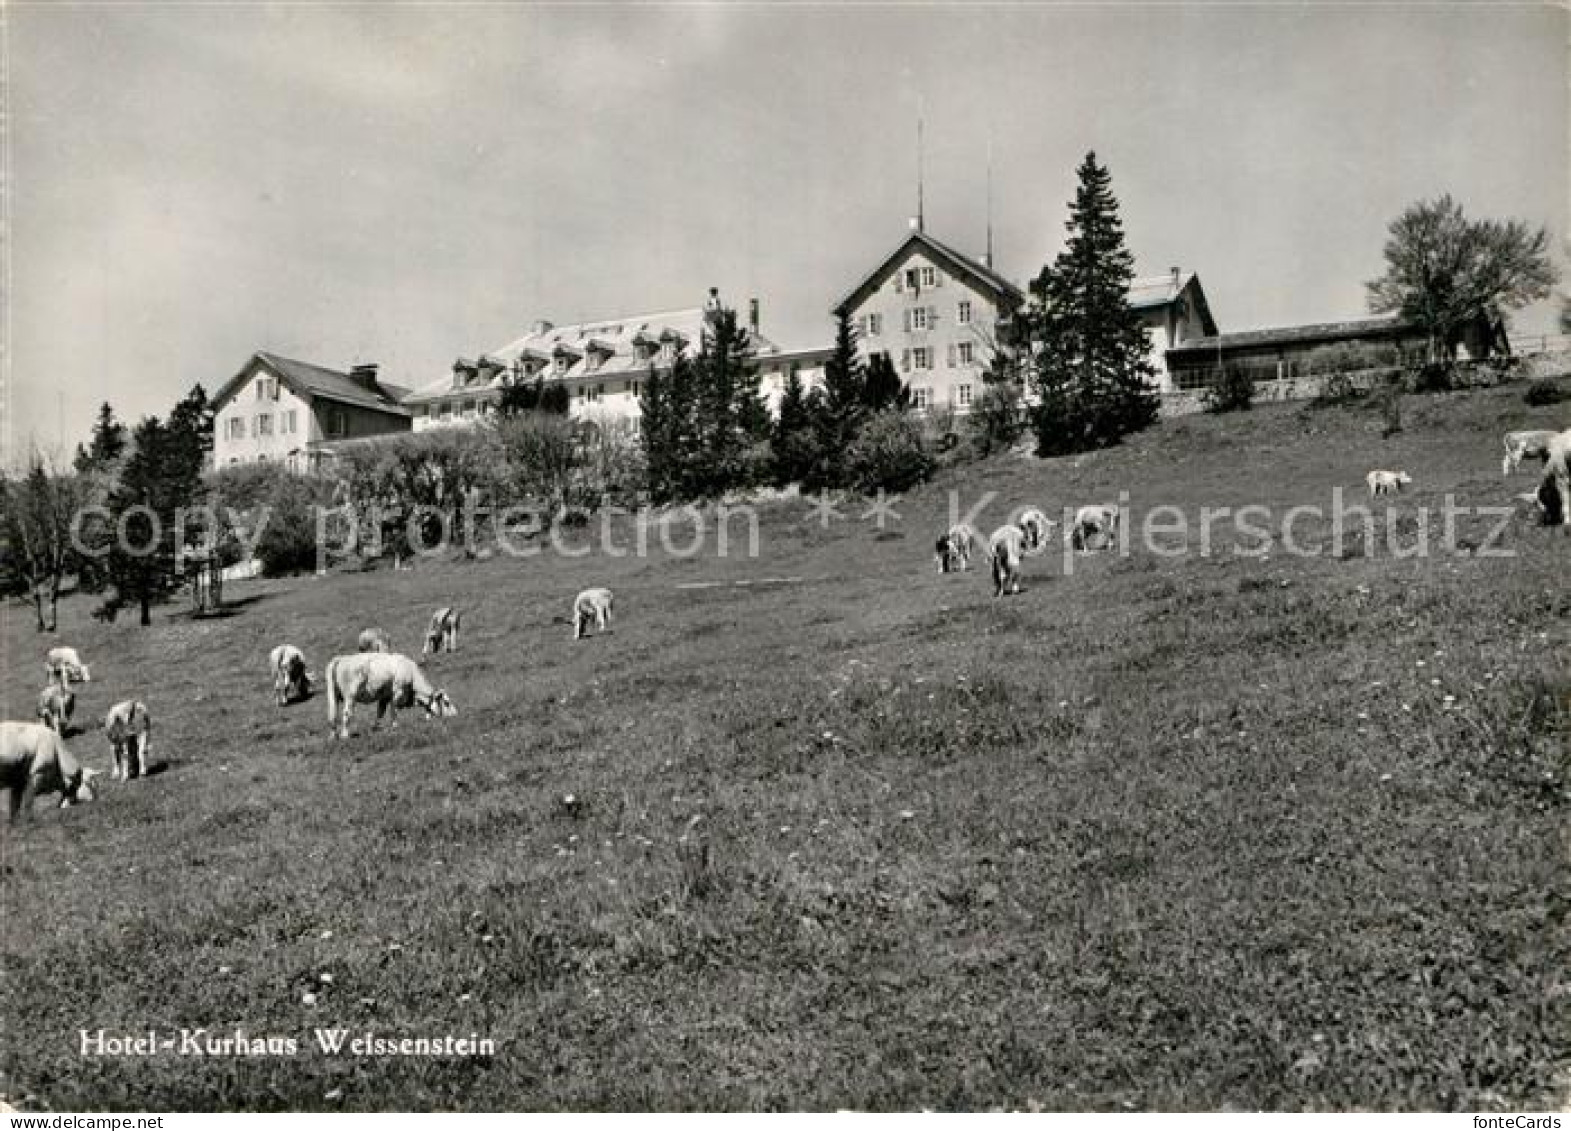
x,y
1164,832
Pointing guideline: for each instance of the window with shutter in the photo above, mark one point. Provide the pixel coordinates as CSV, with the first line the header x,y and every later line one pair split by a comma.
x,y
932,316
906,320
951,355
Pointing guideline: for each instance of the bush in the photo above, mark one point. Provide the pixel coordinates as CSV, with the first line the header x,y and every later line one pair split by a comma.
x,y
1432,377
288,541
1232,391
1545,391
1338,388
997,419
1353,357
888,453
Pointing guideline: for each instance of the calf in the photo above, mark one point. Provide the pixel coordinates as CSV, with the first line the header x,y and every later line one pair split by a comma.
x,y
130,732
1004,550
1096,518
56,705
442,636
372,640
34,760
591,606
63,665
1554,492
1386,482
953,551
1532,444
290,679
389,680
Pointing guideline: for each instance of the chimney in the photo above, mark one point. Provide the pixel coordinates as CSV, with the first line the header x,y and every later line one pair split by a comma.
x,y
541,327
1176,274
916,223
364,375
752,314
987,260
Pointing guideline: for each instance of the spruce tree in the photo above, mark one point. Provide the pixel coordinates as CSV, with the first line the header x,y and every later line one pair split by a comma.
x,y
654,434
883,388
838,409
141,565
106,445
792,439
1091,366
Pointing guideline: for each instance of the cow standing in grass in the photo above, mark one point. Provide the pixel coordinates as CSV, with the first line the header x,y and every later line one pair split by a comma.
x,y
1004,550
389,680
56,705
64,666
34,760
1036,527
442,636
130,732
1101,519
953,551
1555,490
1387,482
291,681
1532,444
592,606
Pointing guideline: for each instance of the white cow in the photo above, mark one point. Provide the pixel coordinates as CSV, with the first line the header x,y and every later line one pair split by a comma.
x,y
56,705
64,665
1094,518
372,640
1386,482
1036,527
591,606
442,636
389,680
953,551
130,731
1525,445
290,678
34,760
1556,485
1004,550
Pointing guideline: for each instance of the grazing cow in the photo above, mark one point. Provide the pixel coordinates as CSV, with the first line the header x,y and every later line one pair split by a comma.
x,y
1095,518
1386,482
1004,550
442,636
34,760
64,665
953,551
130,732
290,679
1036,527
592,605
372,640
56,705
1554,492
1525,445
389,680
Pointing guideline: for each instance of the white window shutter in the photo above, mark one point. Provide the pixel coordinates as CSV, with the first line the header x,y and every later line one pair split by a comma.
x,y
905,361
932,317
951,355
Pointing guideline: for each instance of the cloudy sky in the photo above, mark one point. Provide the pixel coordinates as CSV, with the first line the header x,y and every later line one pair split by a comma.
x,y
346,183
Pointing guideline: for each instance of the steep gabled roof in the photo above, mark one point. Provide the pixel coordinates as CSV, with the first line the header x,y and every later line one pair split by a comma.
x,y
312,382
1005,294
1151,292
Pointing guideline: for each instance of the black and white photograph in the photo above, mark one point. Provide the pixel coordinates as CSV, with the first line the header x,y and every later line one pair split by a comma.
x,y
785,557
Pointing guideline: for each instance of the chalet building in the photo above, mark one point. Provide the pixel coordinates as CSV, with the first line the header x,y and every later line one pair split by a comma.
x,y
1283,353
604,365
935,312
278,410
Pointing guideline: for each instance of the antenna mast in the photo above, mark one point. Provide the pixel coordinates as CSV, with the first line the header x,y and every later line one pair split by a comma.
x,y
989,259
921,218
